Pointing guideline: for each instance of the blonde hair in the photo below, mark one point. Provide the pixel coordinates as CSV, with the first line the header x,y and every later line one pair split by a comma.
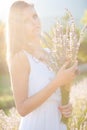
x,y
14,33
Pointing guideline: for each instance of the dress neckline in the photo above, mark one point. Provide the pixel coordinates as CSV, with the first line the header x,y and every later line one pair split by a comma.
x,y
39,61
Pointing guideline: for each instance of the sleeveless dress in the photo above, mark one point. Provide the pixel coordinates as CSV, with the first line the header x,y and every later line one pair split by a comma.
x,y
47,116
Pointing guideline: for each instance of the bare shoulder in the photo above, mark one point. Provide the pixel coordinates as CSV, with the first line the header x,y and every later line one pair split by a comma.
x,y
20,62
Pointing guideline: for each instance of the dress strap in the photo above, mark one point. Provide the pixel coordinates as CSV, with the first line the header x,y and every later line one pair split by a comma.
x,y
28,56
30,59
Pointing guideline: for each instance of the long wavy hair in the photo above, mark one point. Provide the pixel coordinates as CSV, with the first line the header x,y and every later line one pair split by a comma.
x,y
15,35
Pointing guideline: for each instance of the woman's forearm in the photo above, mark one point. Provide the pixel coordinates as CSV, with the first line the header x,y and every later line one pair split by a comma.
x,y
37,99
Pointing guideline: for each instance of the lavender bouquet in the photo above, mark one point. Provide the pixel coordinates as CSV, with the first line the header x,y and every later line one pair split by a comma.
x,y
63,43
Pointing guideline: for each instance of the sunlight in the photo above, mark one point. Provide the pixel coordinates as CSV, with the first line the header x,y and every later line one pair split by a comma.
x,y
61,40
4,8
4,5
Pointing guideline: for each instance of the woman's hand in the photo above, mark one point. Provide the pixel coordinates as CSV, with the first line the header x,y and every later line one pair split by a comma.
x,y
66,75
66,110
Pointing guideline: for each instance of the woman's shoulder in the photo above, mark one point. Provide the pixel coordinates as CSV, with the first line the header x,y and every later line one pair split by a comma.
x,y
19,61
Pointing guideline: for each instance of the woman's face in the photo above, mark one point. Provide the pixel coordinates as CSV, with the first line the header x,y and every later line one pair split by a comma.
x,y
32,27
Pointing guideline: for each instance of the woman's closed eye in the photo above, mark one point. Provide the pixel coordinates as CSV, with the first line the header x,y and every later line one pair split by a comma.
x,y
35,16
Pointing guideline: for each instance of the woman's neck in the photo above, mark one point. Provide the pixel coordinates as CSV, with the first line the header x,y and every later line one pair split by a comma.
x,y
37,51
34,47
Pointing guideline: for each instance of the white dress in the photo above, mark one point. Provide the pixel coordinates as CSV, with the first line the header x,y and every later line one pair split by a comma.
x,y
47,116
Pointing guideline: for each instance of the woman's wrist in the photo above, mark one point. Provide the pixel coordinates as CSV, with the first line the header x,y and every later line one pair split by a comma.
x,y
57,82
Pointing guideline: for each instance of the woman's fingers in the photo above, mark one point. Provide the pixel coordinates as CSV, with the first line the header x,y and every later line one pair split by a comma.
x,y
74,69
66,64
66,110
66,114
65,107
75,66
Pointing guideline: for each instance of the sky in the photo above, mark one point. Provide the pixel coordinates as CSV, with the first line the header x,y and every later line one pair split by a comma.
x,y
56,7
48,9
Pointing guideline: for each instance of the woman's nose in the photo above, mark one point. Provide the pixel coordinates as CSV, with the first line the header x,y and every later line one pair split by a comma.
x,y
38,22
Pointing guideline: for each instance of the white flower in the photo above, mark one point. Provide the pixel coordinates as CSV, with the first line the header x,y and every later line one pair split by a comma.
x,y
79,91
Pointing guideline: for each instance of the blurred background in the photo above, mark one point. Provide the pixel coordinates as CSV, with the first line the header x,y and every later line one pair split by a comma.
x,y
48,11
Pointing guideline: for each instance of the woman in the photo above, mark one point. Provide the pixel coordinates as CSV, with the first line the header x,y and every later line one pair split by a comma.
x,y
36,88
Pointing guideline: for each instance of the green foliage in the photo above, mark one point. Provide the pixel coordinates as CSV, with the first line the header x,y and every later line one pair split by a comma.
x,y
6,102
6,98
82,55
84,19
3,65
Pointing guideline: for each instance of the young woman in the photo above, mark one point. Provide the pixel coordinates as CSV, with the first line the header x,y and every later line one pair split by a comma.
x,y
36,88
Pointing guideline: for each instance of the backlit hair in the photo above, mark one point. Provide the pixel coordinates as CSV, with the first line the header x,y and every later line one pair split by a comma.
x,y
15,39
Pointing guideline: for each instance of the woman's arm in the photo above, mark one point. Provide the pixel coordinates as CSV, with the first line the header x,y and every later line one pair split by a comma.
x,y
19,73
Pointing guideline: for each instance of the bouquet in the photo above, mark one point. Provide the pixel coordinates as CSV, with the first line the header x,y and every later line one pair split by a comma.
x,y
63,41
